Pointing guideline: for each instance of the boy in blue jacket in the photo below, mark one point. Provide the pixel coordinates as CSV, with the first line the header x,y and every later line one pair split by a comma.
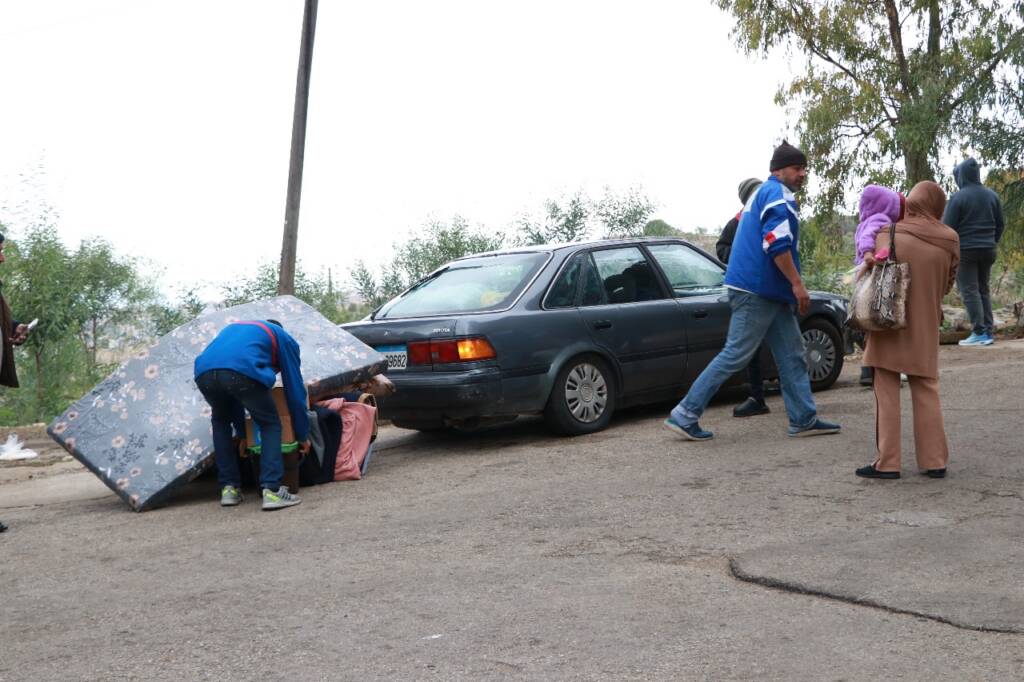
x,y
765,290
238,370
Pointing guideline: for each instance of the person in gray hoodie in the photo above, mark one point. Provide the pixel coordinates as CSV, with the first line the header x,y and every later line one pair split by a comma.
x,y
976,214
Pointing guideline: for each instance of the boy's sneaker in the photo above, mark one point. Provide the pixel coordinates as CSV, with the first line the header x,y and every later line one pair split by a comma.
x,y
975,340
820,427
691,432
279,500
230,496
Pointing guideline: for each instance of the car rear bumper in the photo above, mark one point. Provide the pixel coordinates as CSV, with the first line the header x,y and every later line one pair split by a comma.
x,y
445,397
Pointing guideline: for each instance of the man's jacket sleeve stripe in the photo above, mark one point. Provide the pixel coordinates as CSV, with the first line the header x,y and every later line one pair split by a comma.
x,y
780,231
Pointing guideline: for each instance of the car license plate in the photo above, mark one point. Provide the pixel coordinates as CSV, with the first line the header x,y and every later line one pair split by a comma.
x,y
397,356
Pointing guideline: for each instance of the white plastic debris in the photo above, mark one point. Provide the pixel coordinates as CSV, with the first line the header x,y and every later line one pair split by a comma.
x,y
13,449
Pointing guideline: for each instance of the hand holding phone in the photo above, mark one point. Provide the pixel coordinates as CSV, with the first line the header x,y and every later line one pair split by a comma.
x,y
32,325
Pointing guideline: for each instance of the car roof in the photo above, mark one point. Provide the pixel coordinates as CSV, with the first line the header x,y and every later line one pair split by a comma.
x,y
552,248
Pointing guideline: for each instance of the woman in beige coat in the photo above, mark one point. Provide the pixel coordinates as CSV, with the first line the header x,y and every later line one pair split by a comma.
x,y
933,252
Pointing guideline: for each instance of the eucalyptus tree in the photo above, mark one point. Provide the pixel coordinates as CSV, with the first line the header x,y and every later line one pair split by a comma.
x,y
888,87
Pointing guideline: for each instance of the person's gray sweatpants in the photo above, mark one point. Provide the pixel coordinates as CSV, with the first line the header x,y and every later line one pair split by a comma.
x,y
972,280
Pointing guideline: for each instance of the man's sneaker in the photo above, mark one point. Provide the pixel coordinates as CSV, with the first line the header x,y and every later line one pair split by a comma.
x,y
279,500
987,340
750,407
691,432
230,496
975,340
820,427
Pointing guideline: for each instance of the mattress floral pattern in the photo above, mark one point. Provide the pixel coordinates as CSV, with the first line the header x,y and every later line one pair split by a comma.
x,y
145,429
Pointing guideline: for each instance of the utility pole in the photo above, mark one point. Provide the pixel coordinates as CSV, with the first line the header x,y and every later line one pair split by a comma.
x,y
286,276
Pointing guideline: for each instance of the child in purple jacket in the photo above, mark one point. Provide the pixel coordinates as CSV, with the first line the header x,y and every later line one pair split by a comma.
x,y
879,206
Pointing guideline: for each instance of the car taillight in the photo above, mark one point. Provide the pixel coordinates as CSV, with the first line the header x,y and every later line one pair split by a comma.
x,y
419,353
450,350
475,349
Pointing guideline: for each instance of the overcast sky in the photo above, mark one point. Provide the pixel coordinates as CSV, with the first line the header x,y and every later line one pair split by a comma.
x,y
165,126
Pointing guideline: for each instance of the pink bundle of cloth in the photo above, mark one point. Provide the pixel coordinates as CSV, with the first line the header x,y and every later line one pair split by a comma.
x,y
358,421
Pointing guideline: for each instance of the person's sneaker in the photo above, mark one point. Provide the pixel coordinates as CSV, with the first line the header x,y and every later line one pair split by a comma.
x,y
871,472
935,473
986,340
974,340
279,500
691,432
750,407
820,427
230,496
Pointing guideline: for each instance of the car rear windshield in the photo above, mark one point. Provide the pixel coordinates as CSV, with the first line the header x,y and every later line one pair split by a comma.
x,y
472,285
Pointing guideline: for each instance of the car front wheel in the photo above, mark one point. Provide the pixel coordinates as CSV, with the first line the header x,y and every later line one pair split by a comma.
x,y
823,346
583,397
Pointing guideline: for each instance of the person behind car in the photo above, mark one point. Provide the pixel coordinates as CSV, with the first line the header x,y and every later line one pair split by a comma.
x,y
238,370
755,403
764,283
879,207
933,252
976,214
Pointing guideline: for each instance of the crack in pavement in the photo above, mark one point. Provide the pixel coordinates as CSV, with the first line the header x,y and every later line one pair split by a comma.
x,y
793,588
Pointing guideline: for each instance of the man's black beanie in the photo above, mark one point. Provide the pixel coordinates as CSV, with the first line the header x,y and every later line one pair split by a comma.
x,y
787,155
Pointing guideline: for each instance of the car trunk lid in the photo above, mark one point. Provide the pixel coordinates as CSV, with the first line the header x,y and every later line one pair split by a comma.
x,y
392,337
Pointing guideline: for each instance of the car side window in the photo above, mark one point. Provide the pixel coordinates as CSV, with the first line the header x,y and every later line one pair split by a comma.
x,y
563,292
626,276
688,272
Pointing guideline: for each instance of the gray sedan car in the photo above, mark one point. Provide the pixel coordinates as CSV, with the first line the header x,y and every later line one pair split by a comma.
x,y
572,332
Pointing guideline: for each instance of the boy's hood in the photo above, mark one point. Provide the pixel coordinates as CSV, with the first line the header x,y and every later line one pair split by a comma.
x,y
967,173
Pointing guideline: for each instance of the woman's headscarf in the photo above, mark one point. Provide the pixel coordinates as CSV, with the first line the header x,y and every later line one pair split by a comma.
x,y
926,200
925,205
879,206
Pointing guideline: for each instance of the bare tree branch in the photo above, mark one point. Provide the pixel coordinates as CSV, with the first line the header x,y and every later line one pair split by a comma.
x,y
896,35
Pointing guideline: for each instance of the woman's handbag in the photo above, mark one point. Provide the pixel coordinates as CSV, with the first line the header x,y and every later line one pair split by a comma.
x,y
879,300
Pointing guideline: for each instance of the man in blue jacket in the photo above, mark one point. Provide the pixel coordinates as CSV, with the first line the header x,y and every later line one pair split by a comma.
x,y
765,288
976,214
237,370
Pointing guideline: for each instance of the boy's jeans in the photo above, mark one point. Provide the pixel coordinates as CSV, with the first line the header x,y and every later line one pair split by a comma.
x,y
228,392
756,319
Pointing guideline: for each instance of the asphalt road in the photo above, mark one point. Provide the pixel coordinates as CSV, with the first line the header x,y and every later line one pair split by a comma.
x,y
514,554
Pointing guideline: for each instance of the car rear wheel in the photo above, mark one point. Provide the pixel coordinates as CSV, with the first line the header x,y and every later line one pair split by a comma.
x,y
583,397
823,345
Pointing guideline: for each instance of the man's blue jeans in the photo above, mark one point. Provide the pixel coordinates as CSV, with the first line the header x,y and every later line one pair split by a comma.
x,y
756,319
228,392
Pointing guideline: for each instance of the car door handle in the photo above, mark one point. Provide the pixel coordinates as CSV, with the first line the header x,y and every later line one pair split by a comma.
x,y
700,314
603,324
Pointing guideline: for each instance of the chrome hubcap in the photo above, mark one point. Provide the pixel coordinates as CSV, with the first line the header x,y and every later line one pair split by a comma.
x,y
820,354
586,392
